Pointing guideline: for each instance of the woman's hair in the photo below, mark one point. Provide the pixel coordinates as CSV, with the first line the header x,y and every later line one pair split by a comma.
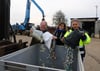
x,y
63,24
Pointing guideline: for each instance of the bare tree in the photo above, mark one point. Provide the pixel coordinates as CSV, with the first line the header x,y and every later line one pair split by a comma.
x,y
59,17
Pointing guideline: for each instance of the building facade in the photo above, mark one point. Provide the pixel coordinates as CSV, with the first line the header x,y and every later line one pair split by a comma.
x,y
91,25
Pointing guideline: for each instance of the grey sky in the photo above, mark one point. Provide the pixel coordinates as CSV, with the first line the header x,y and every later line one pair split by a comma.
x,y
71,8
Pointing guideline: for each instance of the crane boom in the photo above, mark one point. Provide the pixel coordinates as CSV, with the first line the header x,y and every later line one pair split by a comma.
x,y
27,14
39,8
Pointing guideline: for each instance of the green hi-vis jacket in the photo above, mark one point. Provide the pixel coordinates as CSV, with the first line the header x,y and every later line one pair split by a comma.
x,y
81,42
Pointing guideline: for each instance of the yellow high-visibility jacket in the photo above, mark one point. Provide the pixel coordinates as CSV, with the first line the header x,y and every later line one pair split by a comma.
x,y
81,42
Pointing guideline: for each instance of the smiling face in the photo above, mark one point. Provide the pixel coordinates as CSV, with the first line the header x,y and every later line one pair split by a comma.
x,y
43,26
75,24
61,26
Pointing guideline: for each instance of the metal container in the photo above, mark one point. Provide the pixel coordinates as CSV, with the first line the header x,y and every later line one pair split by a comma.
x,y
38,58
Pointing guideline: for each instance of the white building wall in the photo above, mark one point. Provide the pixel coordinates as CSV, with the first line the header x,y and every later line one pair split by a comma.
x,y
97,27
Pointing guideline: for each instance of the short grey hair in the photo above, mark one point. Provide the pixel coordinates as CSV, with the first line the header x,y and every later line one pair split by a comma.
x,y
75,20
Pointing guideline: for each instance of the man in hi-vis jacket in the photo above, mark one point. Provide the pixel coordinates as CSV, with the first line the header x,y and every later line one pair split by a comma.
x,y
85,38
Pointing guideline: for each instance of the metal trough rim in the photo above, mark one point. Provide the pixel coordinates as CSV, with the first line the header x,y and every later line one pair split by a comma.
x,y
28,65
14,53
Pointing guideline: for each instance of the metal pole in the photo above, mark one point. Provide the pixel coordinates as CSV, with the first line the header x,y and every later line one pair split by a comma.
x,y
96,10
4,18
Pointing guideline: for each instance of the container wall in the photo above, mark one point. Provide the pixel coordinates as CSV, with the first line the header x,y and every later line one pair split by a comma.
x,y
39,55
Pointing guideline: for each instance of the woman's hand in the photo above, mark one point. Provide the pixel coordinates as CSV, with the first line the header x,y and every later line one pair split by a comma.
x,y
54,37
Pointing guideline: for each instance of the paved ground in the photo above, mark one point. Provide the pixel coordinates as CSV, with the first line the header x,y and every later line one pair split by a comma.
x,y
92,59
